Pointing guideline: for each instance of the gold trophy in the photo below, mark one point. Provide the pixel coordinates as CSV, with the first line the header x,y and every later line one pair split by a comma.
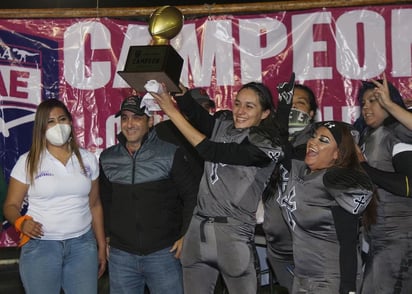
x,y
158,61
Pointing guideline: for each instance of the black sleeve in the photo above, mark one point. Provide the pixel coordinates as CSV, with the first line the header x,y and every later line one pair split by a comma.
x,y
196,114
285,95
282,117
290,152
186,185
105,188
244,153
346,225
398,182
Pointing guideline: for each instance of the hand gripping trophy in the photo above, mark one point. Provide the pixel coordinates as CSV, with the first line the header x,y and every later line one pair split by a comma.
x,y
158,61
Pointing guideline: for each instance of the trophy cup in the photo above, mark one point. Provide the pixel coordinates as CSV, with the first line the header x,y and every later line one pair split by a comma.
x,y
158,61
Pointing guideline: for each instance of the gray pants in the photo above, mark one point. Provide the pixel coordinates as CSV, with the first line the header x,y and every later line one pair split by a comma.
x,y
315,286
283,270
389,266
226,248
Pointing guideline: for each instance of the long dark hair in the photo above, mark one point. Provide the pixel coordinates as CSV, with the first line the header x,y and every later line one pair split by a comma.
x,y
39,135
348,158
394,94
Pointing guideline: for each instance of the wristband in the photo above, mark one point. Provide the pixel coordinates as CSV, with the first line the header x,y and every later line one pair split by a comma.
x,y
19,222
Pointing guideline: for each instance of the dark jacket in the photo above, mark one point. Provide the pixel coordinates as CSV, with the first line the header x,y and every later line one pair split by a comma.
x,y
168,132
148,198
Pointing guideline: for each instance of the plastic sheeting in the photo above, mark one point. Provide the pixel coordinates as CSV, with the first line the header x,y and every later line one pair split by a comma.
x,y
76,60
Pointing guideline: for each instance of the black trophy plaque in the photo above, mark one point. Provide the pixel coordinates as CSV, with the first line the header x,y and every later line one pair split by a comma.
x,y
160,62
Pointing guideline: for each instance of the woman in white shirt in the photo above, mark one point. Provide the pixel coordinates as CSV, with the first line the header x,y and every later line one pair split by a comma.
x,y
62,235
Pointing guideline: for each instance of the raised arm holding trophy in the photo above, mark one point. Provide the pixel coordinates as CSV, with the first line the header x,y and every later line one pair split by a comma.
x,y
158,61
147,209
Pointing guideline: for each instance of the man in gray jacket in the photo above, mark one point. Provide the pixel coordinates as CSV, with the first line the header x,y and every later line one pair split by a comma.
x,y
148,194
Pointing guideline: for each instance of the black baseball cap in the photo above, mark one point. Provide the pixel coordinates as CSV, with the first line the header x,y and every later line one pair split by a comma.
x,y
132,104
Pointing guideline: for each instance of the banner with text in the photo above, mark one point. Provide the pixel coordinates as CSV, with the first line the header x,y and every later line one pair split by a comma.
x,y
77,60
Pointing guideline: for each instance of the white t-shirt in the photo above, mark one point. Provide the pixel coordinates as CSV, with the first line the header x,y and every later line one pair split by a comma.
x,y
59,196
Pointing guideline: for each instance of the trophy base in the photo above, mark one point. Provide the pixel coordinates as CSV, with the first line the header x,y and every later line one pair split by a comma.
x,y
159,62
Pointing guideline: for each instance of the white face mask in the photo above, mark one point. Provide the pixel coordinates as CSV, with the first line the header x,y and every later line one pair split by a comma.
x,y
59,134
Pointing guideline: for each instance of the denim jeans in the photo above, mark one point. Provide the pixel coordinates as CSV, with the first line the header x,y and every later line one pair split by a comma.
x,y
160,270
46,266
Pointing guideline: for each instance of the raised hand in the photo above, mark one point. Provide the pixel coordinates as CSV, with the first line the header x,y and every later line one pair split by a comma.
x,y
285,94
285,90
381,92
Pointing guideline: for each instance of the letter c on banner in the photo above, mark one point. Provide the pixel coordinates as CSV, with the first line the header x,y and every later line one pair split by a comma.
x,y
75,69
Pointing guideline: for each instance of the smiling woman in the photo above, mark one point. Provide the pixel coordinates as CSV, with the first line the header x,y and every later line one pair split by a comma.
x,y
387,149
240,149
322,149
322,204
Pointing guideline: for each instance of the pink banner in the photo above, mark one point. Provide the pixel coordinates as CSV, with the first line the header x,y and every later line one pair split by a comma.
x,y
77,60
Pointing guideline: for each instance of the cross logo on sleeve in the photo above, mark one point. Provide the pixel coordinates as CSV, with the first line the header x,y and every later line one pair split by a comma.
x,y
359,202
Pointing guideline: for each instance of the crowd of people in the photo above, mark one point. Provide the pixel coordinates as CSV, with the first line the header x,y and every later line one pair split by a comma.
x,y
172,207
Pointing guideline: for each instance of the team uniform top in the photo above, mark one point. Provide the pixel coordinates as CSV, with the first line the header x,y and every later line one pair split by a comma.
x,y
238,163
389,164
59,195
279,240
380,147
307,207
234,174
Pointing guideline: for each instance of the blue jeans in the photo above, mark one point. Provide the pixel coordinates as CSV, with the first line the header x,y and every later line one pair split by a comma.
x,y
129,273
46,266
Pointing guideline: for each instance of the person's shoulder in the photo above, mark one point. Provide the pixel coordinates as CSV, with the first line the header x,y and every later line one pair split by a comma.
x,y
164,124
167,131
386,136
299,166
160,143
85,152
87,155
223,114
23,156
264,135
346,178
351,188
110,150
20,167
388,130
22,159
401,132
299,163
